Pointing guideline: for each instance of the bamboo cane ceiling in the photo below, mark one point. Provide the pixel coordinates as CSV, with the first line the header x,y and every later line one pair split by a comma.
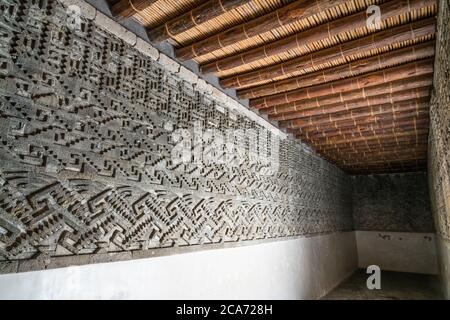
x,y
358,95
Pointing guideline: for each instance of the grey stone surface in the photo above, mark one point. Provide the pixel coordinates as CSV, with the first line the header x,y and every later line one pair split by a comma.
x,y
439,142
439,138
392,202
85,153
147,49
111,26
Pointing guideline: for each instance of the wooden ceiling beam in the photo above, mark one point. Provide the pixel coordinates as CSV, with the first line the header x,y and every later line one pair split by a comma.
x,y
203,13
338,53
363,118
367,134
393,58
290,13
376,147
128,8
350,155
360,128
414,139
370,133
412,69
354,158
380,138
373,112
350,96
316,34
355,104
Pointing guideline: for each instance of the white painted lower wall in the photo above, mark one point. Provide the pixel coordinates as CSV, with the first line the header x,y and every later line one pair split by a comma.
x,y
398,251
302,268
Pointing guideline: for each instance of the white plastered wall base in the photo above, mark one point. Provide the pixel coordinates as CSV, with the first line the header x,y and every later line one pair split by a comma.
x,y
398,251
302,268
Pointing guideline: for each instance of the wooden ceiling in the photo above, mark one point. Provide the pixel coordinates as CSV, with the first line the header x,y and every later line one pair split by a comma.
x,y
358,95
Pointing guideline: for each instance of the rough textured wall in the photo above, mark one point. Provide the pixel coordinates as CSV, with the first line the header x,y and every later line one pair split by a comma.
x,y
439,139
439,143
86,168
392,202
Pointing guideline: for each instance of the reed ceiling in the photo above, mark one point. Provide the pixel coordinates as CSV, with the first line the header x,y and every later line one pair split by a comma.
x,y
358,95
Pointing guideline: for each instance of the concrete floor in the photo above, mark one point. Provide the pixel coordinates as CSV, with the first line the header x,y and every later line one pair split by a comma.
x,y
394,286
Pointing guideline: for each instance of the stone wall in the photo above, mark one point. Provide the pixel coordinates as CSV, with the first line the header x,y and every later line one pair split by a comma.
x,y
87,174
392,202
439,141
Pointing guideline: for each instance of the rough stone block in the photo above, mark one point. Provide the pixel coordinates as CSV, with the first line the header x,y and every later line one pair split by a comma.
x,y
203,86
187,75
168,63
147,49
116,29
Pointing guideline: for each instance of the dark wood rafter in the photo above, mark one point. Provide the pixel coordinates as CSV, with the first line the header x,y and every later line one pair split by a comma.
x,y
356,104
385,76
381,138
361,128
379,40
128,8
322,32
349,97
336,152
205,12
373,143
393,58
291,13
369,133
372,114
408,123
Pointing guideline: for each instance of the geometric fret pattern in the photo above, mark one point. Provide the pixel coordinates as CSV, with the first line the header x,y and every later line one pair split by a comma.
x,y
86,125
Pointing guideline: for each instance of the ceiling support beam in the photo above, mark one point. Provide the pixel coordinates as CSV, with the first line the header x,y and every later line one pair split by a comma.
x,y
355,104
290,13
374,148
350,96
363,128
374,112
371,133
424,67
349,145
407,115
322,32
355,159
380,138
128,8
382,39
408,54
205,12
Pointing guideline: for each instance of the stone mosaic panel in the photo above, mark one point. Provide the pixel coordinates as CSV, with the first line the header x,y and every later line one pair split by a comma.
x,y
86,143
392,202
